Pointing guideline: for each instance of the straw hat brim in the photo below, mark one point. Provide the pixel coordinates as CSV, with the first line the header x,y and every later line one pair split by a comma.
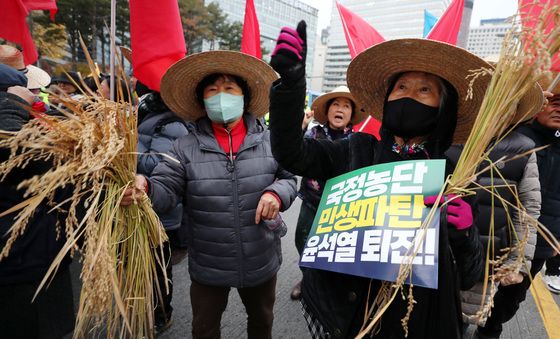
x,y
370,72
531,103
545,83
11,56
320,109
36,77
126,53
178,85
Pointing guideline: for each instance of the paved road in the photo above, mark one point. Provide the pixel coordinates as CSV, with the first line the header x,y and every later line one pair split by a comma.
x,y
289,323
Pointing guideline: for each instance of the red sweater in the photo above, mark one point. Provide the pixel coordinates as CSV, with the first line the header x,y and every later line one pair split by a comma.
x,y
238,133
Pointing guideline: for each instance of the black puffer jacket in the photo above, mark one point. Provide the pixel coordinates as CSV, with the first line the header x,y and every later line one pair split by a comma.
x,y
33,252
337,300
548,161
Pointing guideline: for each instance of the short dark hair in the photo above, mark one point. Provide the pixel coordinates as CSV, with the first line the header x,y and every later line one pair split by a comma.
x,y
119,82
210,79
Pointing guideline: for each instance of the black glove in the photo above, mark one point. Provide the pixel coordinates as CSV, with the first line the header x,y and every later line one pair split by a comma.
x,y
288,58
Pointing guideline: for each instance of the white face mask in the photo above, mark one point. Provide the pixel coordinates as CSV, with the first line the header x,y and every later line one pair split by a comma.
x,y
224,107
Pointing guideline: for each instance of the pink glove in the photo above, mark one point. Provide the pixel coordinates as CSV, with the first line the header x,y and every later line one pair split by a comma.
x,y
459,212
289,42
288,58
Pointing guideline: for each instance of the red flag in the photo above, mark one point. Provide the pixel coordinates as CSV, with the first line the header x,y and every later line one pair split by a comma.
x,y
13,28
359,34
447,27
531,13
42,5
251,38
156,37
369,126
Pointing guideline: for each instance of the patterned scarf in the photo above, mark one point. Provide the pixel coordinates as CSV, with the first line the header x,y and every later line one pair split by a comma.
x,y
410,150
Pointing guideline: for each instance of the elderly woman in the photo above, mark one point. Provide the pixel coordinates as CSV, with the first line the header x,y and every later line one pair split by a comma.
x,y
336,113
417,88
229,183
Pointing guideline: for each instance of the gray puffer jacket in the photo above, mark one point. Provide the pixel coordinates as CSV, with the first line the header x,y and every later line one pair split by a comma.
x,y
522,175
220,197
156,134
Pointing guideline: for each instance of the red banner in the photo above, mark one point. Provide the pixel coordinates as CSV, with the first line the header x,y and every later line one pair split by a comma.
x,y
251,38
156,36
531,14
49,5
13,27
447,27
360,35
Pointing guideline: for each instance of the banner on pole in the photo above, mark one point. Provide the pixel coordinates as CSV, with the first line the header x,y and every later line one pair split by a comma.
x,y
368,219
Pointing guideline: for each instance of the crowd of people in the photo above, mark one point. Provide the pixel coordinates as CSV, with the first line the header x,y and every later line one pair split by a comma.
x,y
218,175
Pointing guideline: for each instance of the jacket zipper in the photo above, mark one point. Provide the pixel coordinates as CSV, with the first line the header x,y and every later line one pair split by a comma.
x,y
236,210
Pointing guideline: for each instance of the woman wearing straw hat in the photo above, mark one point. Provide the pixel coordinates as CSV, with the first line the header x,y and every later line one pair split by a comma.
x,y
229,183
417,88
336,113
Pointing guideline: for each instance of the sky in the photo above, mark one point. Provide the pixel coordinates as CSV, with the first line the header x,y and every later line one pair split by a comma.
x,y
483,9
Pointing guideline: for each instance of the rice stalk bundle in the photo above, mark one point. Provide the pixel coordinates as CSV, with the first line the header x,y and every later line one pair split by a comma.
x,y
92,150
524,60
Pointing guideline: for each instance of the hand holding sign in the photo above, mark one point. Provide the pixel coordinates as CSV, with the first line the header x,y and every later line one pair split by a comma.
x,y
369,223
459,213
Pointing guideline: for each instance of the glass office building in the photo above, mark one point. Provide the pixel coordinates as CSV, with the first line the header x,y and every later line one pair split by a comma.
x,y
273,15
393,19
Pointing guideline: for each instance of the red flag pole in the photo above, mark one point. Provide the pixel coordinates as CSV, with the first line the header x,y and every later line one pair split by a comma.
x,y
113,48
554,83
365,123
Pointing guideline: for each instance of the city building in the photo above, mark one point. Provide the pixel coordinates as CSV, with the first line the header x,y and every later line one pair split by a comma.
x,y
486,40
393,19
273,15
319,60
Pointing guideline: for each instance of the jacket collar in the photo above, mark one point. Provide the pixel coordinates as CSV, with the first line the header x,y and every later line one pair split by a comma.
x,y
207,141
550,136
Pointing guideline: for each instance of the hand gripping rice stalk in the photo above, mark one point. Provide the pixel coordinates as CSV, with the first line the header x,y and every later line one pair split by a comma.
x,y
93,154
525,59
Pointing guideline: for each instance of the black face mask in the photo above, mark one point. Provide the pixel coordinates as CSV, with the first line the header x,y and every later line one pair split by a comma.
x,y
408,118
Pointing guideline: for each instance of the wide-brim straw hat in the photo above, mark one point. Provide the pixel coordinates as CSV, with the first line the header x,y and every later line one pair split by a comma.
x,y
12,57
178,85
370,73
532,101
545,84
320,109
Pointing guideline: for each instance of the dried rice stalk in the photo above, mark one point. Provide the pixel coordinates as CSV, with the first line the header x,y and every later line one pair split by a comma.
x,y
525,59
93,152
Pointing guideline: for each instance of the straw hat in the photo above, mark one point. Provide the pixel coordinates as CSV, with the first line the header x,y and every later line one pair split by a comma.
x,y
545,83
531,102
370,72
126,53
12,57
321,110
178,85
